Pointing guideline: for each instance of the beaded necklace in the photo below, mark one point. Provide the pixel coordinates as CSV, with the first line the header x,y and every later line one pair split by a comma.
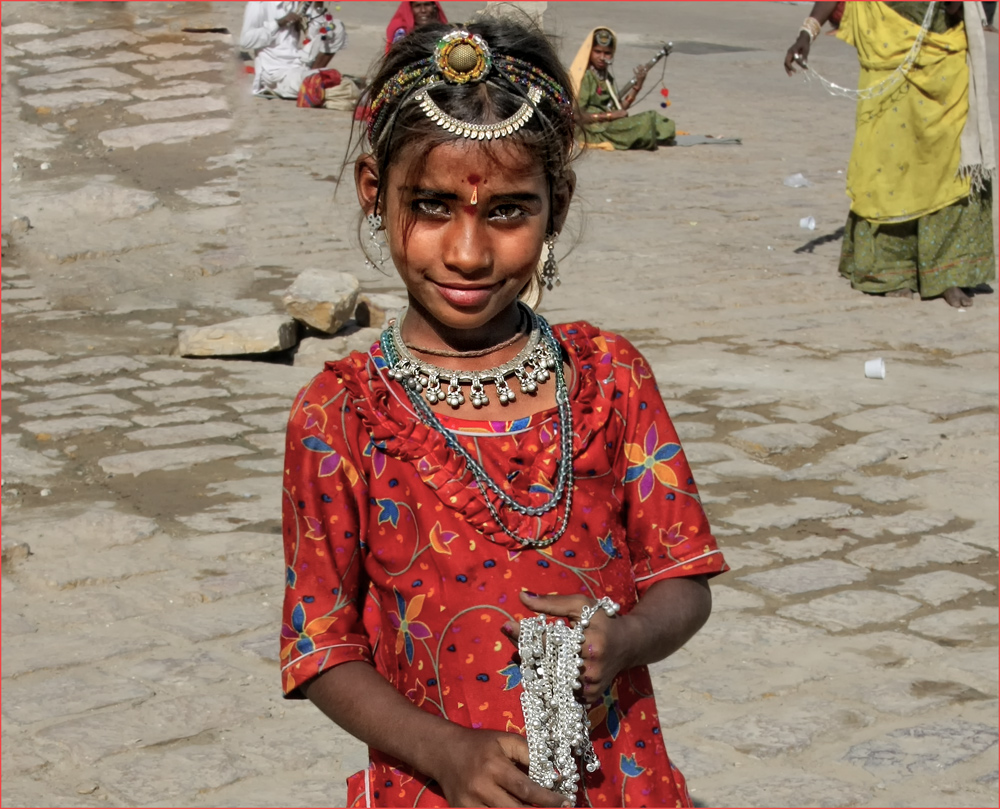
x,y
563,488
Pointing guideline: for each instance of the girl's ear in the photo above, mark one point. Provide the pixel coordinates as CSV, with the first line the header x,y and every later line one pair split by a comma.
x,y
562,196
366,182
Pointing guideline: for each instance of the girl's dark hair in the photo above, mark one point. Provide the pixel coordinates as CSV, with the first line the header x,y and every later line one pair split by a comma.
x,y
404,127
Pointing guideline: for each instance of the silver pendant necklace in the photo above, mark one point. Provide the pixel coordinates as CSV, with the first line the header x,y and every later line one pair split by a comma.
x,y
532,366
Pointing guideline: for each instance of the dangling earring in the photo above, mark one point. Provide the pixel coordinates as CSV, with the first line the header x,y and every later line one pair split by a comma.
x,y
374,226
550,270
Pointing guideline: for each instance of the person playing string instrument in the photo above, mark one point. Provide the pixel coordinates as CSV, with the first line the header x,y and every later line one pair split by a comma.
x,y
605,120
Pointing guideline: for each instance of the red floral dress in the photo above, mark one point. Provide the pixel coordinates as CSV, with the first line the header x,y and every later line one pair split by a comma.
x,y
392,557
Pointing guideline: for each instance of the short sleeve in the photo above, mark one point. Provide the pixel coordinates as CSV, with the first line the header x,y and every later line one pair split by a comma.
x,y
323,521
668,532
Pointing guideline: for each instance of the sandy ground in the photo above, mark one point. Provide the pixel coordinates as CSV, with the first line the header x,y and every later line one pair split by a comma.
x,y
851,658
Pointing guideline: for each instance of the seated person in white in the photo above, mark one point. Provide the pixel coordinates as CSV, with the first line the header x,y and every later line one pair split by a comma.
x,y
289,41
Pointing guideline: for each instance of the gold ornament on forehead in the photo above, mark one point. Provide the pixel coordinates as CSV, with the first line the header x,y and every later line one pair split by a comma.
x,y
462,57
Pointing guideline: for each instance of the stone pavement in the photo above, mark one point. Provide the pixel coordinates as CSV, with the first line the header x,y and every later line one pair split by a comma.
x,y
852,655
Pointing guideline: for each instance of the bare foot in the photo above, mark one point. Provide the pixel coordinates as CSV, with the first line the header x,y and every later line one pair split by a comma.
x,y
900,293
990,27
955,297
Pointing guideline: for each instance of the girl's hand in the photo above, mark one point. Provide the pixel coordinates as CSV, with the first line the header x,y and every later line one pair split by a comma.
x,y
605,645
481,768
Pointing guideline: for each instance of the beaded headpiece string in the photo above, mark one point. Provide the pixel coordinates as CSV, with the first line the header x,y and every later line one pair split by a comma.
x,y
461,57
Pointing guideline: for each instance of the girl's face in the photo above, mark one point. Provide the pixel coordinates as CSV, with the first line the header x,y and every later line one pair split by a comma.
x,y
423,13
601,56
464,264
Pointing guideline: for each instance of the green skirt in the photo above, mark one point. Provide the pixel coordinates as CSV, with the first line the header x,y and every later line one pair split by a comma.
x,y
644,130
952,247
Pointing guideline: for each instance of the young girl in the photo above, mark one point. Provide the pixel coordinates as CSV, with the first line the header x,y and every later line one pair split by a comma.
x,y
478,467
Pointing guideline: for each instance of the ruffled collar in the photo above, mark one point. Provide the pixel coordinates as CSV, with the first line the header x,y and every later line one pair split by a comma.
x,y
396,431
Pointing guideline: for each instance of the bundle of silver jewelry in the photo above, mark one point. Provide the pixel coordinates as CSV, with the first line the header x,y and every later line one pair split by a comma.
x,y
532,366
395,353
555,722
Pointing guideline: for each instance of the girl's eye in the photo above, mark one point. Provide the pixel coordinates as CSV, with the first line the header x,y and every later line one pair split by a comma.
x,y
430,207
508,212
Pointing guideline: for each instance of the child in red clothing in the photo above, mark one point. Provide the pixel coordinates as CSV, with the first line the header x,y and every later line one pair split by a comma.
x,y
478,467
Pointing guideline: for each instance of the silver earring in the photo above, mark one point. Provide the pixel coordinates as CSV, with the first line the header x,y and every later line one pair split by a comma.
x,y
374,243
550,270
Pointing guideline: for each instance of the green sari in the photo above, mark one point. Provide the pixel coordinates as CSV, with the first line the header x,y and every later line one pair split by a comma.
x,y
643,130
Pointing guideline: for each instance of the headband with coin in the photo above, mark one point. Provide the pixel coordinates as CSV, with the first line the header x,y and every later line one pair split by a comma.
x,y
461,57
604,38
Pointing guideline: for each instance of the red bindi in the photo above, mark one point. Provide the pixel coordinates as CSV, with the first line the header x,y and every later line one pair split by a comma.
x,y
474,179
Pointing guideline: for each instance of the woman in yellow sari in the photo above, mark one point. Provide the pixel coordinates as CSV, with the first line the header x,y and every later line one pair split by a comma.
x,y
606,122
920,172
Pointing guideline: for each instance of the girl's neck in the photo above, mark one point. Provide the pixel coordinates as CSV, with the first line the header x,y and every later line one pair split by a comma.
x,y
419,330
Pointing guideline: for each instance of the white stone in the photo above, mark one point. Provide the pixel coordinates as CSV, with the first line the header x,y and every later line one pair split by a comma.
x,y
185,433
171,376
61,102
177,108
268,422
744,399
929,550
165,460
322,299
178,416
211,195
904,524
783,730
970,624
60,390
98,404
374,309
693,430
27,29
891,417
88,79
807,547
851,609
57,64
187,88
252,405
818,574
168,50
785,515
924,750
22,465
268,442
77,425
940,586
743,468
181,67
705,452
27,355
743,416
729,598
181,393
262,334
770,439
87,40
87,367
838,463
135,137
879,489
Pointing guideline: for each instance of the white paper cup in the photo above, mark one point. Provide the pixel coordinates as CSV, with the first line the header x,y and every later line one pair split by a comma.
x,y
808,223
875,369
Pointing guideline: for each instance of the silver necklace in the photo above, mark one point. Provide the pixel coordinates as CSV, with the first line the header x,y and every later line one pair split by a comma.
x,y
563,488
532,366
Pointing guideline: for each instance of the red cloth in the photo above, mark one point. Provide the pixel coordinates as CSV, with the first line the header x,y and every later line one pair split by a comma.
x,y
311,93
837,15
402,22
392,557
